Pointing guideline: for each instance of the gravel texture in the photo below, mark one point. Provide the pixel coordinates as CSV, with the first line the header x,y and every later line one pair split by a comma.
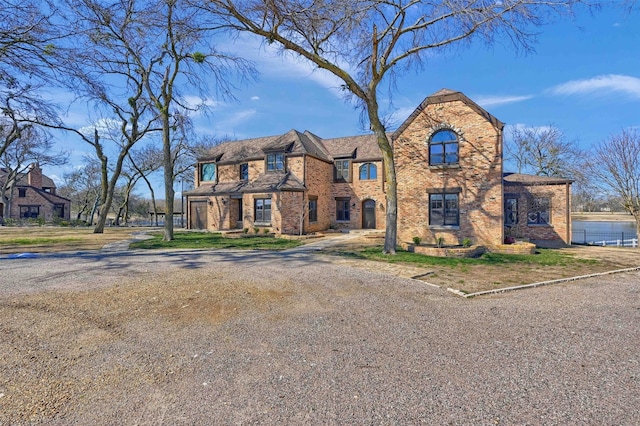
x,y
203,337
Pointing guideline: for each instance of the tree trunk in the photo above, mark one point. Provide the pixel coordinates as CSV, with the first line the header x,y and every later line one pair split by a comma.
x,y
168,177
391,232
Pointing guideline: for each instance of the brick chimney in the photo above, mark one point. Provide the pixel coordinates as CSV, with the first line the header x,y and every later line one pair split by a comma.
x,y
34,177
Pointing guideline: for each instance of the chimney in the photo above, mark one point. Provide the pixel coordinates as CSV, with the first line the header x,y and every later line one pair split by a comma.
x,y
34,177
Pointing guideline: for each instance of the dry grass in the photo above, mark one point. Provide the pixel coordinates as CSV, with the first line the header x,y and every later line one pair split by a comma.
x,y
45,239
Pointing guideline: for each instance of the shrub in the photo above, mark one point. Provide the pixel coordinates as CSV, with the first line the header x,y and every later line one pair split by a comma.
x,y
416,240
467,242
265,231
440,242
256,230
245,230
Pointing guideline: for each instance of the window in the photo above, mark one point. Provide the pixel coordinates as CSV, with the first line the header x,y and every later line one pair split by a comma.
x,y
539,211
262,210
341,170
275,162
313,209
511,211
22,192
29,212
207,172
240,215
443,148
244,171
443,210
58,211
343,213
368,171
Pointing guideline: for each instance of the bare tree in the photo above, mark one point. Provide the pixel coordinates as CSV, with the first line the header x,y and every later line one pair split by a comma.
x,y
100,66
83,187
544,151
366,42
177,51
615,165
147,161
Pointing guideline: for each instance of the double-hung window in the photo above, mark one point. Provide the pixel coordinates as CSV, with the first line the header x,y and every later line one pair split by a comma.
x,y
444,209
262,210
343,212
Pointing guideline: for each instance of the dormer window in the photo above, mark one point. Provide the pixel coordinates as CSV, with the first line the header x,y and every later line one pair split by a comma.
x,y
208,172
341,170
275,162
443,148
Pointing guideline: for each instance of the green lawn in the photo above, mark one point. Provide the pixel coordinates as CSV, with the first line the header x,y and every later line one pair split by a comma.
x,y
197,240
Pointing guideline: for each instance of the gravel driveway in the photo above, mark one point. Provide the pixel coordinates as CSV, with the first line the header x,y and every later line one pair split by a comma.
x,y
203,337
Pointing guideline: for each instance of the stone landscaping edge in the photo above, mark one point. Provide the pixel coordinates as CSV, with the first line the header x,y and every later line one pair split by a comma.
x,y
541,283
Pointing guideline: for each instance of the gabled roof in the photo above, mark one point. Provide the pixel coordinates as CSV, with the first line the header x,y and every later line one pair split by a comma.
x,y
361,148
23,180
443,96
523,179
292,142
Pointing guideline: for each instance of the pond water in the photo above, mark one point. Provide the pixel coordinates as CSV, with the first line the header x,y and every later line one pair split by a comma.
x,y
584,231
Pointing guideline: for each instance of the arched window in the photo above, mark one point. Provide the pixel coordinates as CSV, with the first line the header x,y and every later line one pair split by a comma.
x,y
368,171
443,148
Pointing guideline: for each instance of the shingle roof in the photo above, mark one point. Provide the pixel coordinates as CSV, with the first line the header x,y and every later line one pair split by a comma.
x,y
275,181
267,182
363,147
523,179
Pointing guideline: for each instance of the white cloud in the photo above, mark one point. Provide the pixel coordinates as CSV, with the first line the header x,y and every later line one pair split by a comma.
x,y
611,82
255,98
271,61
487,101
104,126
236,119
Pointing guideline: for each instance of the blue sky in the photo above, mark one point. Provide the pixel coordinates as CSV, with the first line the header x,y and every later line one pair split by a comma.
x,y
584,78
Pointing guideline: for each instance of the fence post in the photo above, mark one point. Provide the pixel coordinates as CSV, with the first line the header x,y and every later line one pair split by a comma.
x,y
585,236
622,238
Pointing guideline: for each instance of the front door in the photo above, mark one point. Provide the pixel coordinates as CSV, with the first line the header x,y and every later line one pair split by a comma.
x,y
198,215
369,214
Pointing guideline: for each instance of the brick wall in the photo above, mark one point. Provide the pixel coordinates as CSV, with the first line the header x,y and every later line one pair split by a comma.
x,y
358,191
318,176
477,177
35,199
558,232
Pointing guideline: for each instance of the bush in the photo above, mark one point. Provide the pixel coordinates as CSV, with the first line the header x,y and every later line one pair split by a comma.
x,y
440,242
256,230
466,242
265,231
416,240
245,230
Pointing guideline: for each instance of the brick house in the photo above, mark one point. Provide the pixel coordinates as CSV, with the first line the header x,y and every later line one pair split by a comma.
x,y
34,196
449,165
